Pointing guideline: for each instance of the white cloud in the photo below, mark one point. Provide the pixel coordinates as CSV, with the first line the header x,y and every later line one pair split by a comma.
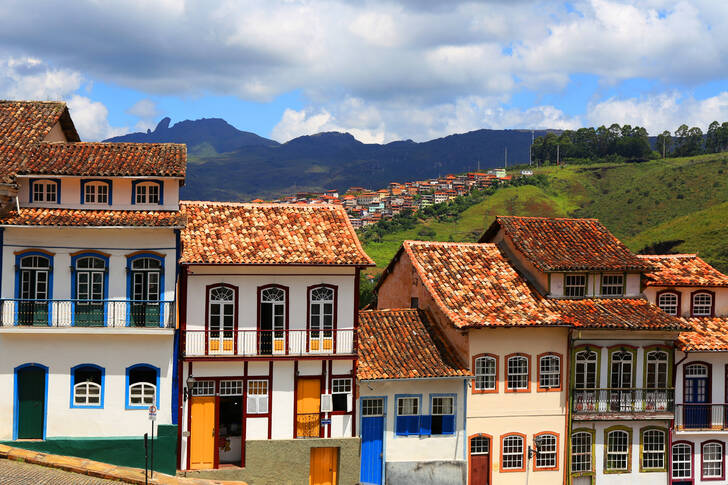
x,y
91,119
144,108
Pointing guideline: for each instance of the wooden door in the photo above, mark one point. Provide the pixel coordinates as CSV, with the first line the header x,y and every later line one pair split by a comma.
x,y
202,432
372,441
479,460
31,402
308,407
324,464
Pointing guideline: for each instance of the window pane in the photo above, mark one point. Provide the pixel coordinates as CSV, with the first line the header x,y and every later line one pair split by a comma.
x,y
547,453
550,372
485,370
512,452
517,373
581,452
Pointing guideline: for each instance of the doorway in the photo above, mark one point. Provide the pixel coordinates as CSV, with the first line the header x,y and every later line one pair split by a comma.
x,y
30,391
308,408
324,464
202,432
372,440
480,447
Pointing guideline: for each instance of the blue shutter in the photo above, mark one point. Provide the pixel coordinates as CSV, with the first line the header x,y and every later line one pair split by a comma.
x,y
426,424
401,425
448,424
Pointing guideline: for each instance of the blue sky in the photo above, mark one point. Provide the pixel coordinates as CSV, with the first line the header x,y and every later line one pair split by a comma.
x,y
379,69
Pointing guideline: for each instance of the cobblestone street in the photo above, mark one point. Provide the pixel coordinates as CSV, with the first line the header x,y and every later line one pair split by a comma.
x,y
19,473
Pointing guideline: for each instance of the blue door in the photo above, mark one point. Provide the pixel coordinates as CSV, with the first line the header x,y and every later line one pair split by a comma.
x,y
696,398
372,440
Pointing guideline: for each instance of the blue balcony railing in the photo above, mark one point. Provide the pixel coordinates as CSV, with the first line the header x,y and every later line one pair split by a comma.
x,y
86,313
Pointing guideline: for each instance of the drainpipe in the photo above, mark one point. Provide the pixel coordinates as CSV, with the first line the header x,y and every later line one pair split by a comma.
x,y
2,254
567,424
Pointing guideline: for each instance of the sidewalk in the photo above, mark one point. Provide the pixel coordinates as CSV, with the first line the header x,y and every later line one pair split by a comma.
x,y
100,470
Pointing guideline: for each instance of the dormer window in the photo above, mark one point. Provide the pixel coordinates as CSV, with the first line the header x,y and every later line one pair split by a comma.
x,y
702,304
612,285
669,302
575,285
147,192
95,192
45,190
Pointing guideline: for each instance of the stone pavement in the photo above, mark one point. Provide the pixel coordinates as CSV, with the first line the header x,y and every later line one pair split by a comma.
x,y
80,471
19,473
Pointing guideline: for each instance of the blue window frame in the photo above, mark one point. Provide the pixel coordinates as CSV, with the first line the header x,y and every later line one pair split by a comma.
x,y
147,192
407,410
87,386
45,190
89,288
443,413
145,289
96,191
141,380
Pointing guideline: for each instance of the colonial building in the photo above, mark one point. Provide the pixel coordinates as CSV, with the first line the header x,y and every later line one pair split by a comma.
x,y
687,286
88,251
413,392
504,330
269,344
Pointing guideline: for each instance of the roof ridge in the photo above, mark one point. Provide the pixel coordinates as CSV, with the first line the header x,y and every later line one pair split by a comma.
x,y
111,143
448,243
388,310
550,218
255,204
657,256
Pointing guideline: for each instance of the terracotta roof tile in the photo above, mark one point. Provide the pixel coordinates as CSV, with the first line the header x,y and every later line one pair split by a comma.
x,y
708,334
92,218
476,286
554,244
230,233
107,159
401,344
616,313
682,270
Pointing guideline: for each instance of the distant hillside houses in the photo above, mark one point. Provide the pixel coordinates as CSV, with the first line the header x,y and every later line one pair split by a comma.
x,y
366,207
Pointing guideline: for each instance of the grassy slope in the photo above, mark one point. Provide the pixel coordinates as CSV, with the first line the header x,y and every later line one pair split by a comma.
x,y
678,199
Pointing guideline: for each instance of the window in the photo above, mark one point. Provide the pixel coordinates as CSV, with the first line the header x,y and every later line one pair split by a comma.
x,y
618,450
146,282
517,375
96,192
513,453
443,415
621,369
479,445
486,373
682,461
45,191
87,384
372,406
585,369
341,394
257,402
221,319
146,192
668,302
575,285
549,372
414,302
653,450
581,452
657,369
702,304
408,416
548,451
203,388
142,383
34,288
89,289
712,466
272,320
612,285
322,317
231,388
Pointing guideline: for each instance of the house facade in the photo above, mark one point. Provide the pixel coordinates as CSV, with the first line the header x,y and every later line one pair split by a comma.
x,y
686,286
269,347
88,258
412,402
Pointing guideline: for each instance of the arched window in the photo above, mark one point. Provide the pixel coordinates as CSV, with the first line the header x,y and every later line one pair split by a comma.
x,y
518,373
147,192
221,318
34,289
96,192
618,450
87,383
142,382
486,373
657,369
621,369
653,449
702,304
682,461
513,453
585,369
548,451
89,289
713,460
668,302
581,452
145,289
272,320
322,304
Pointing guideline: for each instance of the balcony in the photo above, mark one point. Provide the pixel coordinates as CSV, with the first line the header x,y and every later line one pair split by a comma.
x,y
254,342
612,403
701,417
86,313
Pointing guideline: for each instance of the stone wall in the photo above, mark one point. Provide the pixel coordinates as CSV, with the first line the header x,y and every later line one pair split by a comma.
x,y
426,473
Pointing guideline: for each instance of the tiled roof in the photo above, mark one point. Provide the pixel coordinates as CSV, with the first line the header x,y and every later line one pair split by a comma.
x,y
476,286
92,218
24,124
107,159
708,334
682,270
230,233
401,344
554,244
615,313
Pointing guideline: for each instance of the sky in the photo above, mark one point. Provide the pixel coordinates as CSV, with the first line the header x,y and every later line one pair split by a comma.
x,y
381,70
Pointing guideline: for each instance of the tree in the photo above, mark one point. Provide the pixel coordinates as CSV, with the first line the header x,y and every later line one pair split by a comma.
x,y
664,143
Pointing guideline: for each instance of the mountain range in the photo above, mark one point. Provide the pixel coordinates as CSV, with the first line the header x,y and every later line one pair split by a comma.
x,y
229,164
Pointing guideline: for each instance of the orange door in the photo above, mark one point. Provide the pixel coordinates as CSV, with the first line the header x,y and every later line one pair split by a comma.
x,y
324,463
308,408
202,432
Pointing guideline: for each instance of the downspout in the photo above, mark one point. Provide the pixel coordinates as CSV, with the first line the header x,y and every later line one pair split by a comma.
x,y
567,423
2,254
175,351
672,421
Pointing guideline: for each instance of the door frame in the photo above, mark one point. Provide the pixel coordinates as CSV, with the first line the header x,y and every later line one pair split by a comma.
x,y
490,455
320,378
384,431
16,401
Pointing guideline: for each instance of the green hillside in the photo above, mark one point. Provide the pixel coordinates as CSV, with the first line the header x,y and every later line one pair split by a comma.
x,y
676,205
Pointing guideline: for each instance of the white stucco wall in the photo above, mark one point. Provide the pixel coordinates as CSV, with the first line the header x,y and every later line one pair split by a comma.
x,y
593,286
121,193
418,448
112,349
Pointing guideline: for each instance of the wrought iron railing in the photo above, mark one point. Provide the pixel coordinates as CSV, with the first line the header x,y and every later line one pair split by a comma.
x,y
254,342
701,417
308,425
617,400
86,313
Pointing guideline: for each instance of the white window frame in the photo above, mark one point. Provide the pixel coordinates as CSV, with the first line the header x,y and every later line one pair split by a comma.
x,y
617,453
372,406
94,192
509,454
81,391
705,307
203,388
42,190
548,458
609,285
669,307
231,387
653,449
404,399
142,394
584,450
682,459
550,374
145,191
712,461
482,374
519,375
257,396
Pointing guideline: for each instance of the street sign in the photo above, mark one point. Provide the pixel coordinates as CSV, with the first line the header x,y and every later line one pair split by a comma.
x,y
152,413
324,422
